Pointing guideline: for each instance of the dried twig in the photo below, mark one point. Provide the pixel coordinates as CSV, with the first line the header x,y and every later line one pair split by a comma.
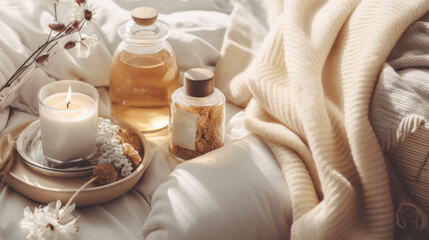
x,y
40,56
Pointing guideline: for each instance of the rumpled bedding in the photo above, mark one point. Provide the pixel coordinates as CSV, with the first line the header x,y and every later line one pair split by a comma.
x,y
251,186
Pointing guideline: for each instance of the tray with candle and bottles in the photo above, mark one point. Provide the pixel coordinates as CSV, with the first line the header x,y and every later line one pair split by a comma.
x,y
44,181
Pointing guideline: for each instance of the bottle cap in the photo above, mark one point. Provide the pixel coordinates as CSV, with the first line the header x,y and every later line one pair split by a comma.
x,y
144,16
199,82
144,27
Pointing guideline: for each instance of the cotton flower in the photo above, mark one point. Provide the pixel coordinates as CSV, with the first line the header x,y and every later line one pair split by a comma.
x,y
87,45
50,222
76,12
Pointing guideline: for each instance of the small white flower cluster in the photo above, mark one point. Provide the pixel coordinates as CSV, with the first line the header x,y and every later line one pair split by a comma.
x,y
109,148
112,153
106,130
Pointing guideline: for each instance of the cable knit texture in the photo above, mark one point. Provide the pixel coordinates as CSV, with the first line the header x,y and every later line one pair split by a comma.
x,y
307,93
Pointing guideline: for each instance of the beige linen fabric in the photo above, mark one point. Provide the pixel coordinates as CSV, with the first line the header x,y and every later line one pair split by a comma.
x,y
307,93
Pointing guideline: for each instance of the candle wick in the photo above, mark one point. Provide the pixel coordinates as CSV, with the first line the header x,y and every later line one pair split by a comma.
x,y
68,103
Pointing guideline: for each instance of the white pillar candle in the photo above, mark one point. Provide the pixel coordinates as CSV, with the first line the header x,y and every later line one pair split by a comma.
x,y
68,133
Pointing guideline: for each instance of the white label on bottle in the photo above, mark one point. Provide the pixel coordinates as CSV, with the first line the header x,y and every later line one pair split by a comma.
x,y
184,128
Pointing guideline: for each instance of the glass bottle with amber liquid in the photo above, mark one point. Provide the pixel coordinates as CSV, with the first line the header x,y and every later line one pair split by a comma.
x,y
144,72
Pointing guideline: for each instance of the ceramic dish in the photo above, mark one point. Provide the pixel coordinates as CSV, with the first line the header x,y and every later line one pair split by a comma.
x,y
46,189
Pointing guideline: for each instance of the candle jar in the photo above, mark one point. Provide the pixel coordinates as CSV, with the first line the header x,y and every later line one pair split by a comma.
x,y
144,72
197,116
68,120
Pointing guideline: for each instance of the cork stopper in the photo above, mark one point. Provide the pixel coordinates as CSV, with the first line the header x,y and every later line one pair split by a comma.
x,y
199,82
144,16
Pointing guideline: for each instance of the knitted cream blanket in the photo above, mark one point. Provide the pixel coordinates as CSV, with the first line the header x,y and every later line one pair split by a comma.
x,y
307,93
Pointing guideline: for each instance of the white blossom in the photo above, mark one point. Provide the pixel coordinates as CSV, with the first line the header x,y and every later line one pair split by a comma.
x,y
87,45
50,222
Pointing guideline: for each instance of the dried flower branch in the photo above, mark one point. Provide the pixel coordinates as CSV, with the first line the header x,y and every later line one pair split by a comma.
x,y
42,55
88,15
80,2
70,44
57,26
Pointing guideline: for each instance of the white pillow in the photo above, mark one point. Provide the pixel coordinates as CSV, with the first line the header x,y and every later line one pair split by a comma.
x,y
235,192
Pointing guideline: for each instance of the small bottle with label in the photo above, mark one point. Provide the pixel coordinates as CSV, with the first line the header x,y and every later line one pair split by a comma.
x,y
197,116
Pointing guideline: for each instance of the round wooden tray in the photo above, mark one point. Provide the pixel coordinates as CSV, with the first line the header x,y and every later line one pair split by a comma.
x,y
46,189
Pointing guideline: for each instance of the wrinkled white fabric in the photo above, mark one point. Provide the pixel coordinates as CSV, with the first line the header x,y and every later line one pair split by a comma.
x,y
236,192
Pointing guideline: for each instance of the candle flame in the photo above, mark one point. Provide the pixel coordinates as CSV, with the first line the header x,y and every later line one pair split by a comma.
x,y
68,99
